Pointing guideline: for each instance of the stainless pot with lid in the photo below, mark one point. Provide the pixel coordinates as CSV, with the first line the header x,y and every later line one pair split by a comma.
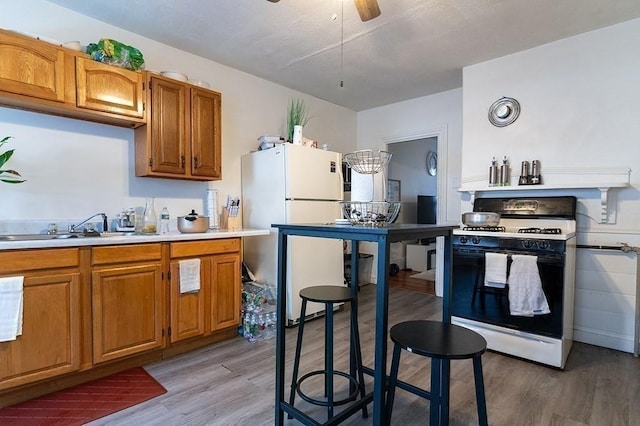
x,y
481,219
193,223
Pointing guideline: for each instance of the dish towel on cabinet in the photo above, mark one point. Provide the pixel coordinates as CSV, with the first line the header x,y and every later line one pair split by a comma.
x,y
189,275
495,270
11,296
526,297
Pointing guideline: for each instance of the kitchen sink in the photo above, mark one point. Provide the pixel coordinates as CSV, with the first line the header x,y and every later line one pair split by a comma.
x,y
40,237
34,237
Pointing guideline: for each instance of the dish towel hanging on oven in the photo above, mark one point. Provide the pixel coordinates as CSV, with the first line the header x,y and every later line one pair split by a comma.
x,y
526,297
495,270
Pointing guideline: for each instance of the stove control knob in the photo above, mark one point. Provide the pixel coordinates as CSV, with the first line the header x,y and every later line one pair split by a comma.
x,y
527,243
463,240
543,244
475,240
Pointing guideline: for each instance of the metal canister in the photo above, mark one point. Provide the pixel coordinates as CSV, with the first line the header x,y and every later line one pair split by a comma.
x,y
504,172
493,173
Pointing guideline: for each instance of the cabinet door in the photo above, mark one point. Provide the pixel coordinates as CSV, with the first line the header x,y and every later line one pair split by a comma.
x,y
187,309
205,133
50,342
107,88
127,310
225,298
31,68
168,127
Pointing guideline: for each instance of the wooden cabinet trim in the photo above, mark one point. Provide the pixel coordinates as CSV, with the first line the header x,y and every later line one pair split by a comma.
x,y
203,248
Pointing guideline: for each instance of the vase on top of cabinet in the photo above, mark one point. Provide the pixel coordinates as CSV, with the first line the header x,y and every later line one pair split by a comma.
x,y
183,137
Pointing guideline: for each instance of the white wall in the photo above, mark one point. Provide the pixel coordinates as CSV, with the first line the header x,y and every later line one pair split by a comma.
x,y
580,118
75,168
439,114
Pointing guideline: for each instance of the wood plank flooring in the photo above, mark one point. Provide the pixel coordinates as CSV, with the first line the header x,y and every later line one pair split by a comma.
x,y
232,383
403,280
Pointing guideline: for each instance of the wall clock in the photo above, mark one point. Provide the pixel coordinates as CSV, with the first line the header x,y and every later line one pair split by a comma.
x,y
504,111
432,163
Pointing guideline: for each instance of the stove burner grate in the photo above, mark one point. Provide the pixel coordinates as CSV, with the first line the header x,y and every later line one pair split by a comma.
x,y
484,228
540,231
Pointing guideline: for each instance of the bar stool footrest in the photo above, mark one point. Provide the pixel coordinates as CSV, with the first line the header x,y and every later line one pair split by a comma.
x,y
351,397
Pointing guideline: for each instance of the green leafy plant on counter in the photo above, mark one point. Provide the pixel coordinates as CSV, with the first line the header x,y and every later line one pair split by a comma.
x,y
297,115
8,175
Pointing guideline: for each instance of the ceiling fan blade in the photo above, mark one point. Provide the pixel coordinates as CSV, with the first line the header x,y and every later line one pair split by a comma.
x,y
368,9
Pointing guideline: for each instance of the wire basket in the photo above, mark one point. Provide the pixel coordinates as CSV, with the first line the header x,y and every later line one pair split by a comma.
x,y
370,213
366,161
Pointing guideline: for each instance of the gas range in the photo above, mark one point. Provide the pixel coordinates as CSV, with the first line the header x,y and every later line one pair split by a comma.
x,y
533,229
542,218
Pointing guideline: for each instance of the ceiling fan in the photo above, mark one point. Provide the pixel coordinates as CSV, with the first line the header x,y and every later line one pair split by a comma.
x,y
368,9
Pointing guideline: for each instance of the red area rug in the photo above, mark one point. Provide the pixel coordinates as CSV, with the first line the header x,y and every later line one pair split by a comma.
x,y
86,402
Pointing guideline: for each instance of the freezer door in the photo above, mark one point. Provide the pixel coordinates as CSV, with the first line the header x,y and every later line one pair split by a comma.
x,y
312,174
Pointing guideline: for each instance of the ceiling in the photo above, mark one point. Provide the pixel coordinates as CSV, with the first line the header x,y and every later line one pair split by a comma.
x,y
414,48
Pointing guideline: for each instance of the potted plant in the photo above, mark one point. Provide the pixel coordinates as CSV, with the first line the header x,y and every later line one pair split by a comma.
x,y
8,175
297,115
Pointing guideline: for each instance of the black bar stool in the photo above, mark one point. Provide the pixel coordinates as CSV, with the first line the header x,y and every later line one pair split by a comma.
x,y
441,342
329,295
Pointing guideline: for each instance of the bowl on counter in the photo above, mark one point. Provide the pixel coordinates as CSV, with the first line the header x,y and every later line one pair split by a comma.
x,y
193,223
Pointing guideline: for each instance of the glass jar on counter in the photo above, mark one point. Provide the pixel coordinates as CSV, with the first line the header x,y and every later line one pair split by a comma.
x,y
149,218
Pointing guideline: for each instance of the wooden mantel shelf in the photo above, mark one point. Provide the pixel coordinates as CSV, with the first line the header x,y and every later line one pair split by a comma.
x,y
602,187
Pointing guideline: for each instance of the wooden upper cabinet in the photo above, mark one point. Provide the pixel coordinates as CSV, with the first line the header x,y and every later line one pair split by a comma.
x,y
31,67
168,127
183,137
206,146
106,88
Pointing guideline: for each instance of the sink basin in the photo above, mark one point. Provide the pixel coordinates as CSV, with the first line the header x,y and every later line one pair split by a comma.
x,y
35,237
40,237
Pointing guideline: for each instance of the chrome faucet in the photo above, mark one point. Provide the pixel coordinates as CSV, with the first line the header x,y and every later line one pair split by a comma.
x,y
105,224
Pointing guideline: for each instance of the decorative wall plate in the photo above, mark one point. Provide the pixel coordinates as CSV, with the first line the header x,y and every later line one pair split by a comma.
x,y
432,163
504,111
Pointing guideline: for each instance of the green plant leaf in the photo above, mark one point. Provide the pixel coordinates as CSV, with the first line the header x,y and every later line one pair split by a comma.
x,y
5,156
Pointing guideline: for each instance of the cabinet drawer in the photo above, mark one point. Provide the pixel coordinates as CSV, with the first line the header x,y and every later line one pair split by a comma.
x,y
125,253
33,260
199,248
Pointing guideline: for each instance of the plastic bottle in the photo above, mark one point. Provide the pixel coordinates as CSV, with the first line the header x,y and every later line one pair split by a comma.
x,y
164,221
149,218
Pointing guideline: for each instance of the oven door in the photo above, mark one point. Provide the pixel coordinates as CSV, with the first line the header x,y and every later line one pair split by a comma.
x,y
472,300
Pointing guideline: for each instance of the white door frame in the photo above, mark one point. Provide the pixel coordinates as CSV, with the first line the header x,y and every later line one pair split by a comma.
x,y
441,134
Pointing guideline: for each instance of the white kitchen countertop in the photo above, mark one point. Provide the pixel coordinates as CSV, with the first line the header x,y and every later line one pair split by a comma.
x,y
130,239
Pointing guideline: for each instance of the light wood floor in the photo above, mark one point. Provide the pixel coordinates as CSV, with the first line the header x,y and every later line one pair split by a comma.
x,y
232,383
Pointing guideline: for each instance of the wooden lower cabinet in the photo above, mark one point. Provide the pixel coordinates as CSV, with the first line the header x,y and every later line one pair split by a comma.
x,y
217,304
92,311
127,300
49,345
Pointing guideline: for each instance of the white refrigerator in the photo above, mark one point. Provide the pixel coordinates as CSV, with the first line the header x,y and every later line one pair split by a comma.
x,y
293,184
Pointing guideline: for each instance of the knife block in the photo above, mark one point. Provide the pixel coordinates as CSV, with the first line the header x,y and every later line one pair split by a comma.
x,y
229,223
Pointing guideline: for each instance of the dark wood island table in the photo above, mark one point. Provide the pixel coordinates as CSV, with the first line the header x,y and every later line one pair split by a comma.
x,y
383,236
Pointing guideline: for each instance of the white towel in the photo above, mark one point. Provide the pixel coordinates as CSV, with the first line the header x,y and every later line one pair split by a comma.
x,y
526,297
495,270
11,296
189,275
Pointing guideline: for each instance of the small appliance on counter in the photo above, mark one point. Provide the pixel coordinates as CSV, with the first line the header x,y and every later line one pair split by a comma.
x,y
126,220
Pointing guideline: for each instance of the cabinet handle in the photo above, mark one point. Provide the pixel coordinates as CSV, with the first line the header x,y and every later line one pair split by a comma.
x,y
195,162
182,161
